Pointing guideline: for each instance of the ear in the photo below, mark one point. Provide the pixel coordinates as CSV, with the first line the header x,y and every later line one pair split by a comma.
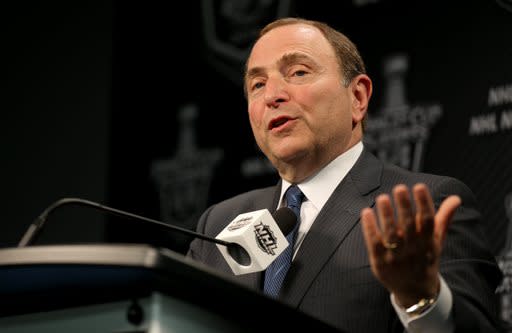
x,y
361,91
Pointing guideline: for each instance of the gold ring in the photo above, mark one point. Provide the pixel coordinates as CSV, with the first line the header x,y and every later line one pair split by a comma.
x,y
390,246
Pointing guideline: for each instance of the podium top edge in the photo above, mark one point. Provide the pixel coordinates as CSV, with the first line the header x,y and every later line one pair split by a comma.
x,y
104,254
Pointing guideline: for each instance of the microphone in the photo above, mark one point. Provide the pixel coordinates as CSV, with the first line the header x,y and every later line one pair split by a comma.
x,y
243,253
35,228
261,237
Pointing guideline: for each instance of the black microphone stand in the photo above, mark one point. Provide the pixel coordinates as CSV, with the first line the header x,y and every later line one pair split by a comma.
x,y
36,226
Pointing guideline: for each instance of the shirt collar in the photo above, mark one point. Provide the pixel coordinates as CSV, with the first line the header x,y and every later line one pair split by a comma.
x,y
319,187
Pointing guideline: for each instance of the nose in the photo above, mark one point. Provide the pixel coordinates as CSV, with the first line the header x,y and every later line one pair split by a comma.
x,y
275,92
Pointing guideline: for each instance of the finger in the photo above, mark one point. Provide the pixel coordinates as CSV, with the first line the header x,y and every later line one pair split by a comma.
x,y
371,233
445,214
386,218
424,209
405,215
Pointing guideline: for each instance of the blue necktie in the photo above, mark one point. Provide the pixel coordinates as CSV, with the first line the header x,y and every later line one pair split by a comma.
x,y
275,273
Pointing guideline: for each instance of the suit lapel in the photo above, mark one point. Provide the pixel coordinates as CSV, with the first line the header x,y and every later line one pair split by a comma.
x,y
334,222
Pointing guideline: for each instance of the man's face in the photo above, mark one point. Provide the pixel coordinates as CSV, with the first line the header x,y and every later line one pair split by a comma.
x,y
299,110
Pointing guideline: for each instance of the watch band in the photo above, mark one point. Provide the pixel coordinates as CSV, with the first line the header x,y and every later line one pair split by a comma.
x,y
423,305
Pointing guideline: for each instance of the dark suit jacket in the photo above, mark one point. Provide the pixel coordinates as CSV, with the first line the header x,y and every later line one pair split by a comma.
x,y
330,277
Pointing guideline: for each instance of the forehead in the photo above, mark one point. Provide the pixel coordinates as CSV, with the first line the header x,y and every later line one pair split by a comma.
x,y
301,38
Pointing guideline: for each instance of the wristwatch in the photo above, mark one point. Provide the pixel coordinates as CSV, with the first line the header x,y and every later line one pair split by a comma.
x,y
423,305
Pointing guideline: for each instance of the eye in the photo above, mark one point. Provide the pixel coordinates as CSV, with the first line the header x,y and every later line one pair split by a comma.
x,y
298,71
257,85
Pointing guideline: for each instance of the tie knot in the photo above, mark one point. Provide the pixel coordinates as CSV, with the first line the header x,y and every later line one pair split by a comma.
x,y
294,198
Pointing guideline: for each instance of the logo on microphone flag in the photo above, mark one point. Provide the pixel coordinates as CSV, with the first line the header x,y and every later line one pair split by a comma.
x,y
259,235
265,238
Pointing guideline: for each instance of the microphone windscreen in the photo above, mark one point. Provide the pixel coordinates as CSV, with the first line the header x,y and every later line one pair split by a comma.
x,y
285,219
257,239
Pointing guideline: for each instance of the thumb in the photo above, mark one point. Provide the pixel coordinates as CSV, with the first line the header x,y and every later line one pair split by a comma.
x,y
445,214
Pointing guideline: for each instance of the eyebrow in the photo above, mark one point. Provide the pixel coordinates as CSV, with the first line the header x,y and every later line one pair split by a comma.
x,y
286,59
253,72
290,58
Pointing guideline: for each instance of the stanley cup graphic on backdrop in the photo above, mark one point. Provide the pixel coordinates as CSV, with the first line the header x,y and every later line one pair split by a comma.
x,y
399,134
505,289
184,180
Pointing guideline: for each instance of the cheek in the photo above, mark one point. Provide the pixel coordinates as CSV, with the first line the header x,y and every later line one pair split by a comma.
x,y
255,116
332,116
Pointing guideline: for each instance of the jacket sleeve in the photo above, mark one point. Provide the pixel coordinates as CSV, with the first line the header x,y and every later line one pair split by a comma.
x,y
467,265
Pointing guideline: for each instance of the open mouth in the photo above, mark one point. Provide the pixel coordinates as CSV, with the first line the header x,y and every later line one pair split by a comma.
x,y
278,122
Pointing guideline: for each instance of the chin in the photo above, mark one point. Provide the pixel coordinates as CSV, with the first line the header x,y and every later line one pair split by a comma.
x,y
289,155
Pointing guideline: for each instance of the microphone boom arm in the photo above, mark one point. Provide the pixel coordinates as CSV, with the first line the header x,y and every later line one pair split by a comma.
x,y
36,226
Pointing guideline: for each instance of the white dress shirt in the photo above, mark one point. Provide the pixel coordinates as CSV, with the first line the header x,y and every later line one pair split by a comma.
x,y
317,190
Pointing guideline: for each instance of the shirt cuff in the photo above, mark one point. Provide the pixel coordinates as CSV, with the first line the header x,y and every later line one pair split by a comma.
x,y
438,318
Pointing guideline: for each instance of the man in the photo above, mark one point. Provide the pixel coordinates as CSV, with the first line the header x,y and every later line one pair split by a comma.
x,y
413,268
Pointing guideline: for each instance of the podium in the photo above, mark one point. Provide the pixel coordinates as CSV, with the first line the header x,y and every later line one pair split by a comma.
x,y
130,288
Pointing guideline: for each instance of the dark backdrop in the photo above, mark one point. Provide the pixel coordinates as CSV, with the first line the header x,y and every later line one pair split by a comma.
x,y
139,105
94,92
455,58
55,114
